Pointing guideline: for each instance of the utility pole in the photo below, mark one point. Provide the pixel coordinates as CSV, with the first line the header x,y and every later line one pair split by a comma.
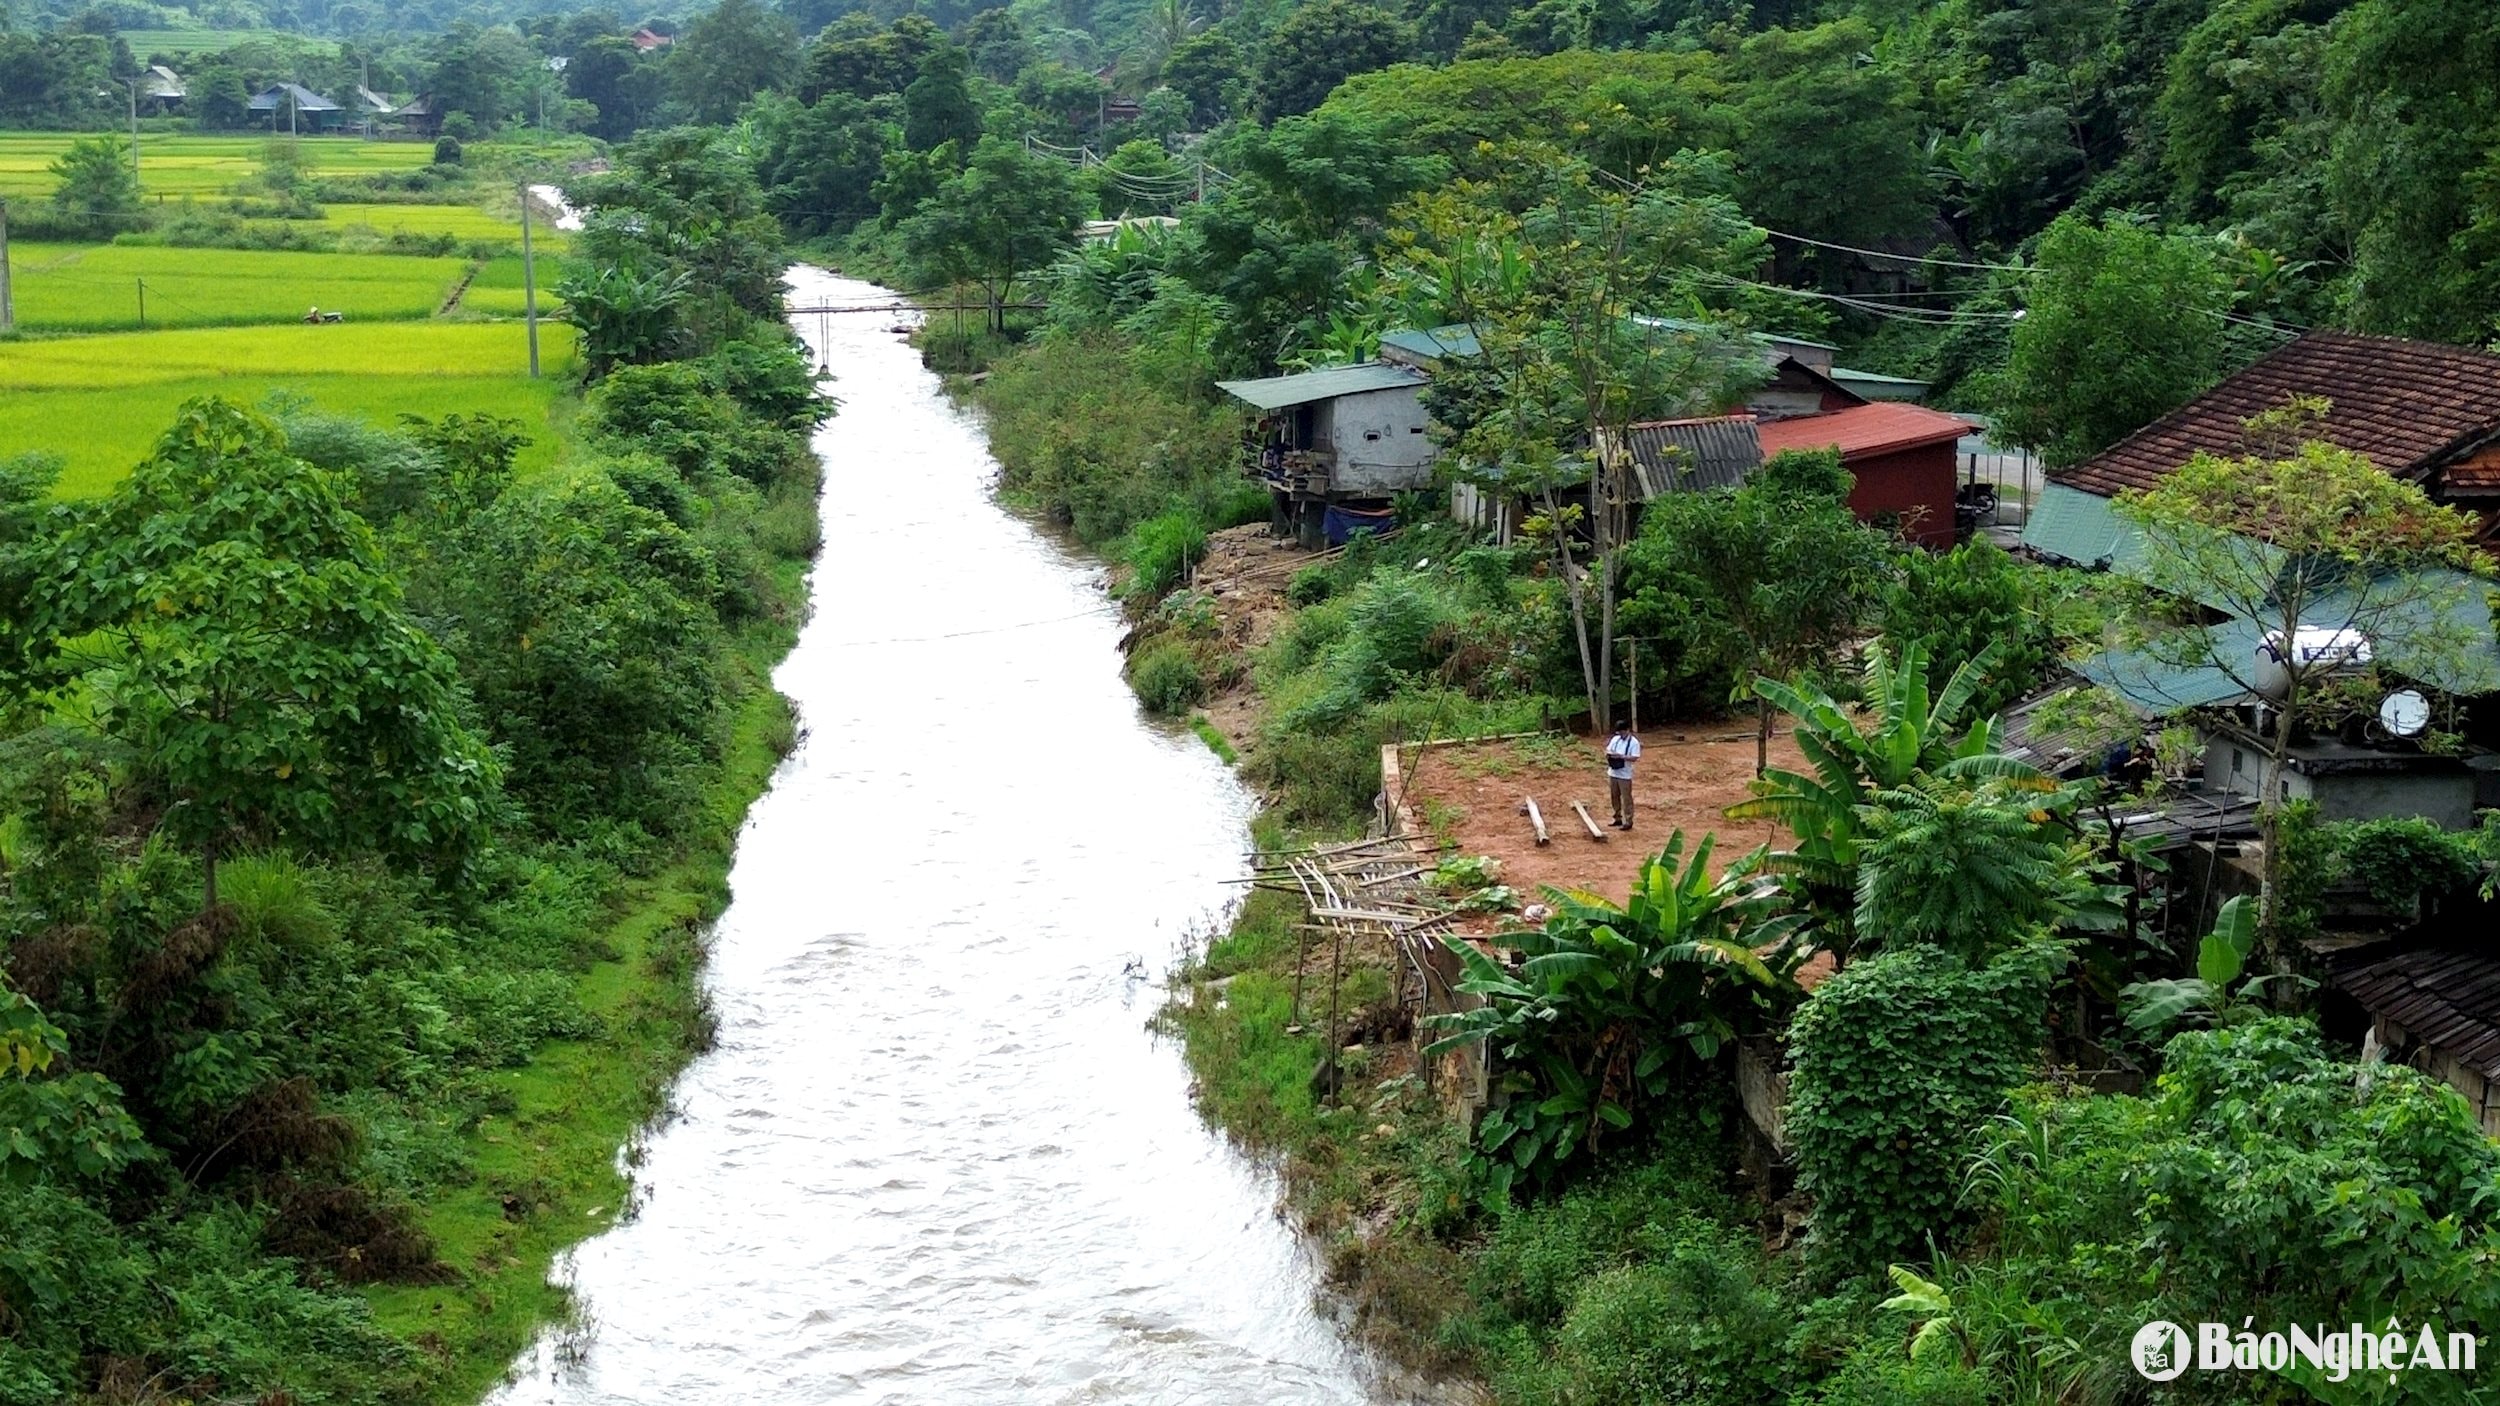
x,y
134,129
529,278
143,305
8,305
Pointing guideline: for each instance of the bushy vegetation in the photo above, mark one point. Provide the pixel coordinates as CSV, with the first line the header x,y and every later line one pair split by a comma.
x,y
363,796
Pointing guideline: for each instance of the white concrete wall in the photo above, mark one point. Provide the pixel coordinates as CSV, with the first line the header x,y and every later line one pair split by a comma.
x,y
1381,441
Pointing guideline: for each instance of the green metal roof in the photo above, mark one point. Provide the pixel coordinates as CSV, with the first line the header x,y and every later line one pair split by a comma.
x,y
2077,527
1875,385
1456,340
1302,388
2157,680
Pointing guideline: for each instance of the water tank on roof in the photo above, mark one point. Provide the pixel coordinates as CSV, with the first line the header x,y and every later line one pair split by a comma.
x,y
2314,650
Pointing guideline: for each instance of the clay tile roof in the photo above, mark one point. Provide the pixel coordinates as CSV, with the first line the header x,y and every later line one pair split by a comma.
x,y
1879,428
2399,403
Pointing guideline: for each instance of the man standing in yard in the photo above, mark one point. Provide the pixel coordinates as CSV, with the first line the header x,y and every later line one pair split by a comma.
x,y
1622,750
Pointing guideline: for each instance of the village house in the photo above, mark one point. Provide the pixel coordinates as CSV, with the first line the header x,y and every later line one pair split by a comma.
x,y
1336,446
161,90
296,108
2428,414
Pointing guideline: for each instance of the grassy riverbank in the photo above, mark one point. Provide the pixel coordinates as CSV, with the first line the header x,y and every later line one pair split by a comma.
x,y
545,1167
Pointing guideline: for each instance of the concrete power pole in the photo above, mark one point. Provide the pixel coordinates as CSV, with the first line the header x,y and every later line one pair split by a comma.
x,y
529,279
8,304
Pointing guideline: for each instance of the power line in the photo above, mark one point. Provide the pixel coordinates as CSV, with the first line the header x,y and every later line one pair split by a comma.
x,y
1901,256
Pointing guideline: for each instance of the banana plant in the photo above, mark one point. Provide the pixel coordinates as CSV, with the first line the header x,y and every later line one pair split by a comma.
x,y
1607,1001
1905,732
2154,1008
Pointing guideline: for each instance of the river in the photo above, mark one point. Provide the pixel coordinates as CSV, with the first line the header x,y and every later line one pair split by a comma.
x,y
936,1156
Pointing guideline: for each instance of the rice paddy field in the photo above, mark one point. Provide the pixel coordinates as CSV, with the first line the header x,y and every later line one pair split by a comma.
x,y
174,166
181,42
97,287
464,222
101,401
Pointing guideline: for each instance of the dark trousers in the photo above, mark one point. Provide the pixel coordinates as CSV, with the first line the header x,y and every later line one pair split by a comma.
x,y
1619,790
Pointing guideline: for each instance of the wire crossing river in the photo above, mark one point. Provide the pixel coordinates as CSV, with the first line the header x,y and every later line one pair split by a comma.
x,y
936,1157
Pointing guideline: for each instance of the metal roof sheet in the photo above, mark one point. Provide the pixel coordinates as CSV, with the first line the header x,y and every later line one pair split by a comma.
x,y
1684,456
1457,339
1874,385
2156,681
1302,388
1863,429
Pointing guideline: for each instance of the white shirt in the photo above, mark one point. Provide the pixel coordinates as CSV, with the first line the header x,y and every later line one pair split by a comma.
x,y
1621,752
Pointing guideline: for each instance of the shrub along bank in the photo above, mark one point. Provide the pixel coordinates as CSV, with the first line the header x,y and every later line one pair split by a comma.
x,y
365,803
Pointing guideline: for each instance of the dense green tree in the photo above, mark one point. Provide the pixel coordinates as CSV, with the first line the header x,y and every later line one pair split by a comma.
x,y
938,105
730,53
2416,159
479,73
819,164
854,56
1758,580
997,43
2124,324
238,627
1320,45
1207,69
1004,216
614,77
1827,146
98,192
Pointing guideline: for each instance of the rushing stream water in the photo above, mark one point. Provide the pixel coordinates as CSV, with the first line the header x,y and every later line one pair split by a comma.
x,y
936,1157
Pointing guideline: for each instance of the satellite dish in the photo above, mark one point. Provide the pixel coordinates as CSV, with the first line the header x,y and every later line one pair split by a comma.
x,y
2404,713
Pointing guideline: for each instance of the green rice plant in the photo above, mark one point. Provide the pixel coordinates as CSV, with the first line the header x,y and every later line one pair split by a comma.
x,y
100,402
98,287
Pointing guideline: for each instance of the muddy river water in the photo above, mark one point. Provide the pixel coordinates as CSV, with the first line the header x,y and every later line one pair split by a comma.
x,y
937,1157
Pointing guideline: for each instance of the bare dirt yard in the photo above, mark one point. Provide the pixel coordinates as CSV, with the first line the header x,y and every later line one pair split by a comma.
x,y
1468,795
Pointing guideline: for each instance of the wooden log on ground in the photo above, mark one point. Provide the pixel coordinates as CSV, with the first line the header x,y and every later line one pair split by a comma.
x,y
1536,818
1581,809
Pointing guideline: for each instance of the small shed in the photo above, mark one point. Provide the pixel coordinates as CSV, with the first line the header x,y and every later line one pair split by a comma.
x,y
1901,455
301,107
1346,438
2437,1008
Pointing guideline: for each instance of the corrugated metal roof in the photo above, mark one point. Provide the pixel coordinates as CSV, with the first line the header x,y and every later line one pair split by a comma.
x,y
1457,339
275,96
2446,998
2079,528
2156,681
1863,429
1302,388
1876,386
1687,456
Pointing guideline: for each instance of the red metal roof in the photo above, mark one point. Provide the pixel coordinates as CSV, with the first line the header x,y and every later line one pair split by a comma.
x,y
1863,430
2401,404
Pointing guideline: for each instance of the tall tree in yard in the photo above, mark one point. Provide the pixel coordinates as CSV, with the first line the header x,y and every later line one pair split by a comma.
x,y
226,613
1762,580
1555,270
2297,535
2122,328
1007,213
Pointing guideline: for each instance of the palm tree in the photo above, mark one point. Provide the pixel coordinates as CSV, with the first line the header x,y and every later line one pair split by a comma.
x,y
1165,26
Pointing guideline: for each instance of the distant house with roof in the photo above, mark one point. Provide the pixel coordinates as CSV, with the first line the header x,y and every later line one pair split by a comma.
x,y
1336,445
647,39
161,90
298,107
